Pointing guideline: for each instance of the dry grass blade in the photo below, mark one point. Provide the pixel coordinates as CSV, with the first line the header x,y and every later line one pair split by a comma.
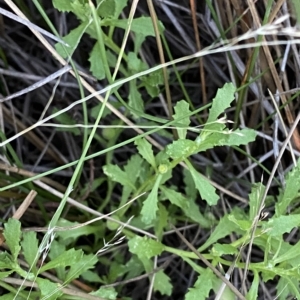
x,y
25,204
193,5
38,84
31,25
162,61
83,82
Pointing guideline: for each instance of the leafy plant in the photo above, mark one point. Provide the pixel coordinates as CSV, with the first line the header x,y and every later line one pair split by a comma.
x,y
174,188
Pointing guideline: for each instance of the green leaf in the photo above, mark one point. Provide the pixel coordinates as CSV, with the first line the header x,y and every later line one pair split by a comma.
x,y
193,213
175,197
11,296
12,234
5,261
282,289
226,292
223,99
119,5
162,283
4,275
149,208
244,225
221,249
67,258
291,190
202,287
152,82
190,188
292,253
145,150
82,9
181,149
133,167
283,224
206,190
97,67
91,276
136,101
241,137
225,138
141,25
108,293
107,9
134,267
135,64
211,140
181,111
57,249
62,5
162,221
116,5
223,229
288,288
116,174
85,263
145,247
30,248
70,236
49,290
255,197
72,39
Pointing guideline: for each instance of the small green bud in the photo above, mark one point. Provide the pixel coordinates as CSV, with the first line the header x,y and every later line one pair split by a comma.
x,y
162,168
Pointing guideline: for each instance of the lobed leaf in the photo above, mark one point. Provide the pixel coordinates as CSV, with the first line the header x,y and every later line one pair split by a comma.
x,y
175,197
223,229
107,8
145,247
67,258
202,287
62,5
162,283
141,25
255,197
181,149
12,234
282,224
72,39
149,208
108,293
206,190
116,174
181,114
253,292
97,67
220,103
30,248
49,290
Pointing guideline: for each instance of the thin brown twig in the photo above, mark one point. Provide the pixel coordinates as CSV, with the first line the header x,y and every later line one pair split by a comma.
x,y
198,44
162,61
25,204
